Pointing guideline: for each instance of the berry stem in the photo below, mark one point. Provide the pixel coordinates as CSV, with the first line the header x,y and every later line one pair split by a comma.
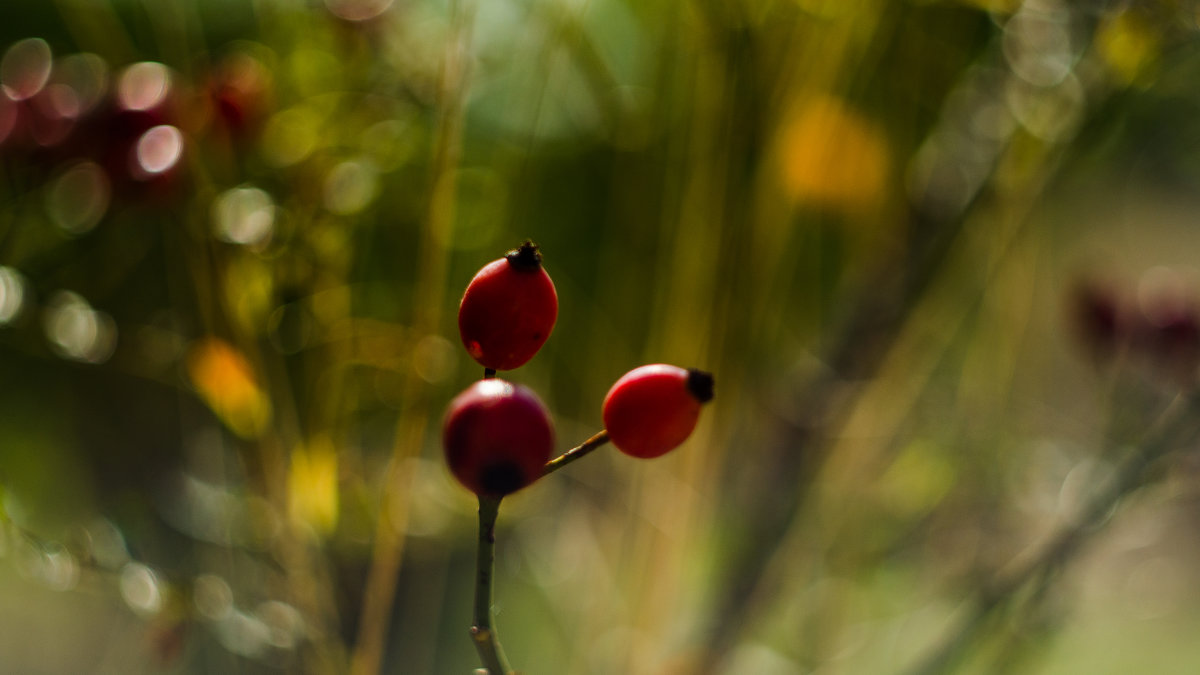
x,y
487,643
576,452
489,373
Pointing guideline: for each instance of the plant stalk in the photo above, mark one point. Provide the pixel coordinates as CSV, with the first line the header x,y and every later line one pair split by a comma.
x,y
576,452
483,633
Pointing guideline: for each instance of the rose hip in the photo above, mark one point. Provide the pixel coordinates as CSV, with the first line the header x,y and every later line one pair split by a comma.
x,y
508,310
653,409
497,436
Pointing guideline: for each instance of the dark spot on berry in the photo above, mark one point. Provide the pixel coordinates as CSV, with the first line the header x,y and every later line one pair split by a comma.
x,y
700,384
501,478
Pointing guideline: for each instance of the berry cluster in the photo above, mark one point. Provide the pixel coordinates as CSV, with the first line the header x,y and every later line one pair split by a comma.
x,y
498,436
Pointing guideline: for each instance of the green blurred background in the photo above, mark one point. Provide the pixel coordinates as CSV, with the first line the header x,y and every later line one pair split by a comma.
x,y
941,257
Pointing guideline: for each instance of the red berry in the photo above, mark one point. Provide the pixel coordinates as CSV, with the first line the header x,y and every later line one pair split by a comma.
x,y
240,95
652,409
508,310
1099,319
497,437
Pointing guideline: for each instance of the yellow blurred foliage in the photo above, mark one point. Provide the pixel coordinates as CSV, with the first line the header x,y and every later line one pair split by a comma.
x,y
917,481
998,6
226,382
248,291
833,157
291,135
829,8
1128,46
313,485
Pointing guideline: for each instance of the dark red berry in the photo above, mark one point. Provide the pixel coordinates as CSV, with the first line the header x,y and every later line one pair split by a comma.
x,y
508,310
137,135
653,409
1166,331
1098,319
240,95
1171,337
497,437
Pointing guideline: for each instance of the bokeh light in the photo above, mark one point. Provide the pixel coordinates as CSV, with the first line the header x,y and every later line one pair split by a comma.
x,y
78,198
158,151
141,589
85,76
244,215
76,331
358,10
143,86
25,68
390,144
434,359
1038,42
243,634
285,625
12,294
59,569
212,596
1048,113
290,136
351,186
106,544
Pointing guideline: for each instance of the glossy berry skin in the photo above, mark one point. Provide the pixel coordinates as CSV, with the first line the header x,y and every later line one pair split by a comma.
x,y
497,437
508,310
653,409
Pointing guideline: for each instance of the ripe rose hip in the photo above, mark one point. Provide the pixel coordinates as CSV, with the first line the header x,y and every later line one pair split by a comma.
x,y
497,437
652,409
508,310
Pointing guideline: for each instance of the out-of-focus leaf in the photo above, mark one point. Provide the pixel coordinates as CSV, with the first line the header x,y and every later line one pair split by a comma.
x,y
227,383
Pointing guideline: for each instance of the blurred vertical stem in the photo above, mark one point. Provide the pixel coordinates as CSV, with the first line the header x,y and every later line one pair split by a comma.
x,y
879,325
429,292
487,643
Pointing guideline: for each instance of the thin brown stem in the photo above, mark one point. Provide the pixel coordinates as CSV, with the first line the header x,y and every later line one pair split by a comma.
x,y
483,633
576,452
